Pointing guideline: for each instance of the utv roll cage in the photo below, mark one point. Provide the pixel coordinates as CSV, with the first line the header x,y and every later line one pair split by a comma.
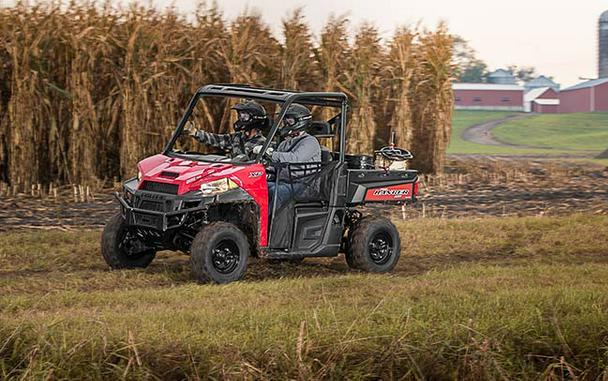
x,y
285,98
222,229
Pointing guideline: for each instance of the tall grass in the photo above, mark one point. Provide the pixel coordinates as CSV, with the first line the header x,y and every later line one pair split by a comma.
x,y
298,67
471,299
87,90
362,80
397,75
434,101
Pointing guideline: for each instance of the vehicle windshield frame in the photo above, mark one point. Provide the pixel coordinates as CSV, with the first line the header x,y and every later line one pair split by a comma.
x,y
283,98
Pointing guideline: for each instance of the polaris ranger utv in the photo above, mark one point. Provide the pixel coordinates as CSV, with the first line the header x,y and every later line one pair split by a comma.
x,y
215,207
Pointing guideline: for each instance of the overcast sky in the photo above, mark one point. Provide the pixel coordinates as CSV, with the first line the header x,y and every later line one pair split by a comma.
x,y
559,37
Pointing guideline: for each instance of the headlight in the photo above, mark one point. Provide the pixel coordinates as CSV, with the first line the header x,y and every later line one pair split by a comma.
x,y
217,186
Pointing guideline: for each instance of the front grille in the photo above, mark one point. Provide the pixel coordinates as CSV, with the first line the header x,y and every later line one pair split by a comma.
x,y
155,222
153,186
153,206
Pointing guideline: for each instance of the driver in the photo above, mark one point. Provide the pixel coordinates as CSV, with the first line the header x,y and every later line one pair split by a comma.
x,y
251,119
297,146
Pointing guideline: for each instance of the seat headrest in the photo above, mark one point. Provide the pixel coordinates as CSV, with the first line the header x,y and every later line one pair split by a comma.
x,y
320,129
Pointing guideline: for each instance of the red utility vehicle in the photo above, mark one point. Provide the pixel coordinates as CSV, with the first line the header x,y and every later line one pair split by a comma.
x,y
215,207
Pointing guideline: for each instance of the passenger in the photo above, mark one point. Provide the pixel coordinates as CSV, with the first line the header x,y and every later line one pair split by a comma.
x,y
297,147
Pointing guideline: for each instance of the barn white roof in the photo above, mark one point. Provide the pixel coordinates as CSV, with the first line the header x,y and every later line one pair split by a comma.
x,y
486,86
535,93
547,102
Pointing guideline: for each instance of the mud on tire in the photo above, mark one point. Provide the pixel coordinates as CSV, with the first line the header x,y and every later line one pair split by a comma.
x,y
374,245
219,253
118,251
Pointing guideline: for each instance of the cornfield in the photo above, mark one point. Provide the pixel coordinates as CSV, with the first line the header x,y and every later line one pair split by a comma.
x,y
87,90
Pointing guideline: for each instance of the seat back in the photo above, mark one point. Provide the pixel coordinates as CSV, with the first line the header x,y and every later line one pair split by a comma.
x,y
320,129
326,155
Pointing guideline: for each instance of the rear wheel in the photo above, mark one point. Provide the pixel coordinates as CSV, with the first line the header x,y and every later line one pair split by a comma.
x,y
350,261
374,245
219,253
122,248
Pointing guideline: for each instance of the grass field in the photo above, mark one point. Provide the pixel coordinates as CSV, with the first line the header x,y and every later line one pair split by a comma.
x,y
461,120
509,298
582,132
557,134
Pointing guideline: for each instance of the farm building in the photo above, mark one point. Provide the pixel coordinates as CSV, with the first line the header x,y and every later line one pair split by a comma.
x,y
544,100
502,77
589,96
488,96
541,82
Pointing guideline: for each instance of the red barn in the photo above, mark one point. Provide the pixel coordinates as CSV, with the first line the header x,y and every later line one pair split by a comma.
x,y
589,96
546,106
544,100
488,96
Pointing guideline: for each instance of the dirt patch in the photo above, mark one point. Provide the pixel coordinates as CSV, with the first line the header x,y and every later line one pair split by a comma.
x,y
35,213
482,133
481,186
603,155
490,186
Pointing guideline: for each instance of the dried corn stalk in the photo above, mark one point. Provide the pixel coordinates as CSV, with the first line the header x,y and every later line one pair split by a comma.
x,y
87,90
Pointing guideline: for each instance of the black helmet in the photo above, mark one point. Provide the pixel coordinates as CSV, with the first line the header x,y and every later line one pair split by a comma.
x,y
250,115
297,118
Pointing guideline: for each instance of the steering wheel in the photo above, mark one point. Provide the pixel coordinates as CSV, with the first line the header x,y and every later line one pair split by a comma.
x,y
271,172
395,154
240,158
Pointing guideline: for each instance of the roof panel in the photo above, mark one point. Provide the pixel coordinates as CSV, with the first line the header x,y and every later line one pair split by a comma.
x,y
334,99
541,79
587,84
500,73
535,93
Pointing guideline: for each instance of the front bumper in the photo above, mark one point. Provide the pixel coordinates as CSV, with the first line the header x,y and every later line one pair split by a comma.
x,y
171,217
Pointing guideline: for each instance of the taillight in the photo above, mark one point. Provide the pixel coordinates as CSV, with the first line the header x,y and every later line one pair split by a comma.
x,y
416,189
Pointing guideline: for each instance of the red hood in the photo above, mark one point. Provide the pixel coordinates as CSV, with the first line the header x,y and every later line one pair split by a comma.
x,y
187,174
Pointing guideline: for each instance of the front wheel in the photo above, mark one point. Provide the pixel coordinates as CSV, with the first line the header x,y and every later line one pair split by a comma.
x,y
122,248
374,246
219,253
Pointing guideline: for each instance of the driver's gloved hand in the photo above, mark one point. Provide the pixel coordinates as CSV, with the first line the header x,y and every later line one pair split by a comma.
x,y
189,129
269,152
257,149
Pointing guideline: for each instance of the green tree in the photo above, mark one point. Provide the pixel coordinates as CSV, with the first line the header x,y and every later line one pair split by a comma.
x,y
467,67
523,73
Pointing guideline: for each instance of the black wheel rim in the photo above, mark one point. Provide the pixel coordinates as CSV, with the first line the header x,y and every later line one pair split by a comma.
x,y
381,248
225,256
132,244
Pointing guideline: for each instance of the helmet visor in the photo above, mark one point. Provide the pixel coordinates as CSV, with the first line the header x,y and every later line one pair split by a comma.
x,y
244,116
289,121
